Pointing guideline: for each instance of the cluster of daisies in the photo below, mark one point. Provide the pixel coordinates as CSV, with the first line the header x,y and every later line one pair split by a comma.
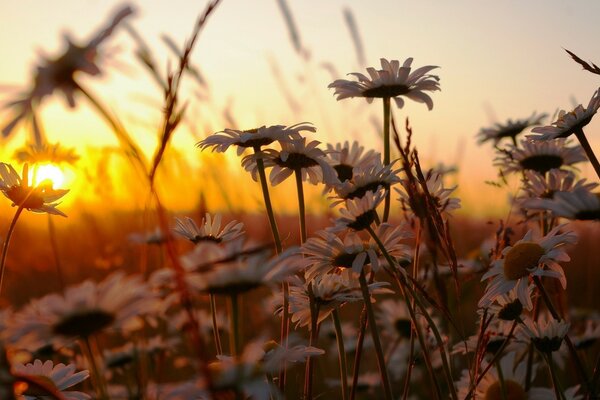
x,y
369,306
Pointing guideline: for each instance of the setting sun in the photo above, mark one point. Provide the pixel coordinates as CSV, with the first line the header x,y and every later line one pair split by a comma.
x,y
50,172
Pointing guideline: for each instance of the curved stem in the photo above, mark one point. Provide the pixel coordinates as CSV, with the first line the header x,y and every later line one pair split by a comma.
x,y
339,336
215,325
11,228
588,150
386,151
385,380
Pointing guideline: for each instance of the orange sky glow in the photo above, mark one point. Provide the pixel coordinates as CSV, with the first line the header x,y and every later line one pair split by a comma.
x,y
498,60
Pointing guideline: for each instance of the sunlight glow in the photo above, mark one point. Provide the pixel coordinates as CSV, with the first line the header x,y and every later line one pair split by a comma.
x,y
50,172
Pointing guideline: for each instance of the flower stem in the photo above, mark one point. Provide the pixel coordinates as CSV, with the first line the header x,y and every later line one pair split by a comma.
x,y
386,151
99,380
301,206
358,351
555,383
574,356
385,380
588,150
501,379
11,228
234,327
339,336
215,325
314,336
54,245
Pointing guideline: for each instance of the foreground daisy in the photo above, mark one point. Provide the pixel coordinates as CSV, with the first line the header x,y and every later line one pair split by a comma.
x,y
540,157
358,214
344,157
59,376
528,257
580,204
391,81
41,198
209,230
546,334
511,129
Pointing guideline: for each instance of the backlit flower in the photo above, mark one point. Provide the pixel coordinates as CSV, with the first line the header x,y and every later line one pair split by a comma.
x,y
526,258
358,214
41,198
392,81
253,138
546,334
539,156
371,177
33,153
209,230
578,204
344,157
511,129
568,122
59,376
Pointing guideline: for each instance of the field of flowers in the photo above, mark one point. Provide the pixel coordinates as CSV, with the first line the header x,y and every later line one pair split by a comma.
x,y
388,295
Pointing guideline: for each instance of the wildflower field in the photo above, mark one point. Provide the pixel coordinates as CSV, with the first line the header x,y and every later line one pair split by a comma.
x,y
267,262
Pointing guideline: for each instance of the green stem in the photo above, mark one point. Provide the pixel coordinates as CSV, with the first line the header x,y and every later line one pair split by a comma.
x,y
385,380
424,311
386,151
234,321
11,228
574,356
339,336
215,325
588,150
99,381
301,206
555,383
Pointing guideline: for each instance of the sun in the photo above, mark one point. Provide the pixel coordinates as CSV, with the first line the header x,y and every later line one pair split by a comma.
x,y
46,172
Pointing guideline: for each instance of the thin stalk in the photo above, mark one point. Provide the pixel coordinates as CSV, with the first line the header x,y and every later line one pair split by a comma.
x,y
501,379
555,383
386,151
358,351
588,150
301,205
11,229
215,325
54,246
314,336
234,325
385,380
99,380
411,363
425,313
574,356
339,336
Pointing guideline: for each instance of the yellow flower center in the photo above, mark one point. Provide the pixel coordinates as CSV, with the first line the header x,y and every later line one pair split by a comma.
x,y
520,258
513,391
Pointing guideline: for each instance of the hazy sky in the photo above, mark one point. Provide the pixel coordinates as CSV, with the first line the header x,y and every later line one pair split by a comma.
x,y
498,60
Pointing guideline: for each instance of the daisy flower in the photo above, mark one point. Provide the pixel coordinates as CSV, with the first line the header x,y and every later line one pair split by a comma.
x,y
59,376
372,177
510,129
545,187
210,229
526,258
118,302
392,81
394,319
359,213
41,153
294,156
568,122
589,336
60,73
546,334
580,204
40,199
344,157
254,138
540,157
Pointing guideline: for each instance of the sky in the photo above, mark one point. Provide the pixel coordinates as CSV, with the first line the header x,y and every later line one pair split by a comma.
x,y
497,60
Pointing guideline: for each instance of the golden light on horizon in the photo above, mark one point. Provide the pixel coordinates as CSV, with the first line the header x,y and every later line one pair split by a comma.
x,y
48,172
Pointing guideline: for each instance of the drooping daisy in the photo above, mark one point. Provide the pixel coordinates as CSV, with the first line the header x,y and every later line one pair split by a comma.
x,y
392,81
209,230
511,129
59,376
295,156
330,291
254,138
373,177
540,157
119,302
546,334
34,153
60,73
394,319
41,198
344,157
359,213
580,204
568,122
527,257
